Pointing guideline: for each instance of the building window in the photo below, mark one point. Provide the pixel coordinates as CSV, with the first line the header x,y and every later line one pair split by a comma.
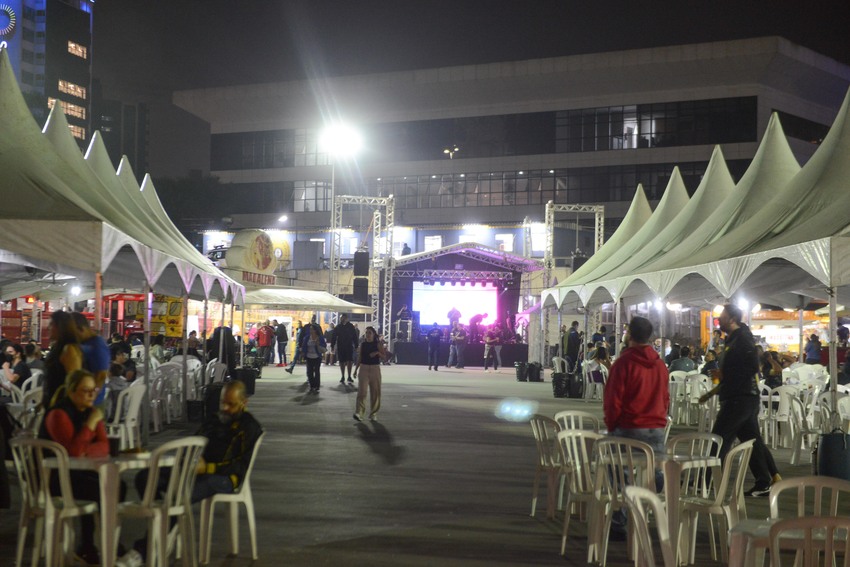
x,y
70,88
433,243
78,50
801,128
69,108
78,131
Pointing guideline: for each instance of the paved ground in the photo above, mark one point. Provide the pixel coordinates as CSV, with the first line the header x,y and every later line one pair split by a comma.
x,y
439,480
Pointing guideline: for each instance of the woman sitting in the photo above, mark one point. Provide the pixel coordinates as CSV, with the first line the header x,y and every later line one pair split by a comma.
x,y
594,365
78,426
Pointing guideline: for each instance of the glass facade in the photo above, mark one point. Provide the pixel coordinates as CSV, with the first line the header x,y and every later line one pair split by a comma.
x,y
686,123
537,187
267,149
801,128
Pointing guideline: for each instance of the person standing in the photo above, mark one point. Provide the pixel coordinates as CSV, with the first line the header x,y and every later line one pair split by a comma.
x,y
313,346
636,396
599,336
344,342
281,334
572,347
813,350
435,336
329,339
454,316
457,346
405,250
491,340
371,353
265,340
297,335
740,401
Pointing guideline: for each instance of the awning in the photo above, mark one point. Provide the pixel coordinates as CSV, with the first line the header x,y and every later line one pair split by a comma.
x,y
300,300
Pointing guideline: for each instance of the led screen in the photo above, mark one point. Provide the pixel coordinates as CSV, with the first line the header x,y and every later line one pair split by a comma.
x,y
435,301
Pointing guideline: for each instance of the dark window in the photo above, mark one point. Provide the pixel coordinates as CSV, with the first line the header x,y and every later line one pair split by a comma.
x,y
801,128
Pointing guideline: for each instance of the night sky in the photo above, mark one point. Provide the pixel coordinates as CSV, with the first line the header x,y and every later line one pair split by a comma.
x,y
145,50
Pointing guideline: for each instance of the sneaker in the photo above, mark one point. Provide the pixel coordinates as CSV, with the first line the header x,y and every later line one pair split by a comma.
x,y
429,368
289,370
357,417
758,491
373,418
435,369
487,371
350,381
130,559
342,380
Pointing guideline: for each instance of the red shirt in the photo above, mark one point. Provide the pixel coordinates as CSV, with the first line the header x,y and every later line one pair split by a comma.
x,y
83,443
265,336
637,392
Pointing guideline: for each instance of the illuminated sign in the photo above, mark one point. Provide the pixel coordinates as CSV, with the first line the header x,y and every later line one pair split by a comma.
x,y
8,20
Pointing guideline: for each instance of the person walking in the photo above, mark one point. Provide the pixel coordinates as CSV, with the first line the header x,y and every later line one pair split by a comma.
x,y
344,342
371,353
435,336
281,334
329,338
313,346
740,401
299,334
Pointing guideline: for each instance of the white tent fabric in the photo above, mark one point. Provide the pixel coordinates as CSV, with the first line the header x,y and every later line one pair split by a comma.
x,y
782,233
78,216
299,299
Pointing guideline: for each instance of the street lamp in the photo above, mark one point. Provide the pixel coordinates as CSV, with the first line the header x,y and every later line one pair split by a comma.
x,y
451,150
339,140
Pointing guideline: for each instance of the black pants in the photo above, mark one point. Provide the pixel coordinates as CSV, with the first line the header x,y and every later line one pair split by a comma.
x,y
314,372
281,351
738,417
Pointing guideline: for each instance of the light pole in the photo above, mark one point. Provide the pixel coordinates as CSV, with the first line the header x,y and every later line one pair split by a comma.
x,y
337,140
451,151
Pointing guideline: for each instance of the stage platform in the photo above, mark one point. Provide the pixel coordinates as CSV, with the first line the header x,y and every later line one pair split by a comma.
x,y
417,354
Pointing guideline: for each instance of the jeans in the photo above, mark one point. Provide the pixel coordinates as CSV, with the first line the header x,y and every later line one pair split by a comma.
x,y
281,351
738,417
498,349
655,439
433,352
314,372
490,352
453,358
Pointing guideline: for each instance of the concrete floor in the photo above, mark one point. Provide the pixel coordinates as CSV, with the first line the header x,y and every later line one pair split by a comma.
x,y
439,480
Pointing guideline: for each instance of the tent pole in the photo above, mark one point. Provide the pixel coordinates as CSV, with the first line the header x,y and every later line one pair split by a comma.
x,y
661,314
98,303
833,352
146,402
800,356
185,348
204,332
617,325
543,331
560,342
221,333
242,340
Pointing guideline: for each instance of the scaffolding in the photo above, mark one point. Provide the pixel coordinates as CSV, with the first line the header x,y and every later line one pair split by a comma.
x,y
381,256
598,211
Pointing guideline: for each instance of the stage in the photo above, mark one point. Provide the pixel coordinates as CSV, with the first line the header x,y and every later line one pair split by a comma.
x,y
417,354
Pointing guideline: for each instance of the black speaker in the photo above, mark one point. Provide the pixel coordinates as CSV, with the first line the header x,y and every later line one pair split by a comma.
x,y
414,332
578,261
361,264
361,290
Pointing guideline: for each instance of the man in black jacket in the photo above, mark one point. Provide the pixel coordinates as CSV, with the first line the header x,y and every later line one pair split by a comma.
x,y
739,399
281,333
344,344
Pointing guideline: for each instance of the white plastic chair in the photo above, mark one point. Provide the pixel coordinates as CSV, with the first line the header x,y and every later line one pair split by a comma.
x,y
125,422
844,412
242,495
559,365
618,462
545,430
577,419
30,403
814,496
58,512
727,503
577,449
641,502
176,502
820,537
802,431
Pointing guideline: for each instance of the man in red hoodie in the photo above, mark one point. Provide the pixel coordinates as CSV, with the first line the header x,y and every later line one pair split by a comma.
x,y
636,394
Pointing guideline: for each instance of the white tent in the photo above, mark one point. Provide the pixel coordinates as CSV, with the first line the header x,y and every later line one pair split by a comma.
x,y
300,299
73,216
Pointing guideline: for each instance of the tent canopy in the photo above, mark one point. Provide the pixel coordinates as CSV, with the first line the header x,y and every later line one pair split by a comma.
x,y
78,216
299,300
